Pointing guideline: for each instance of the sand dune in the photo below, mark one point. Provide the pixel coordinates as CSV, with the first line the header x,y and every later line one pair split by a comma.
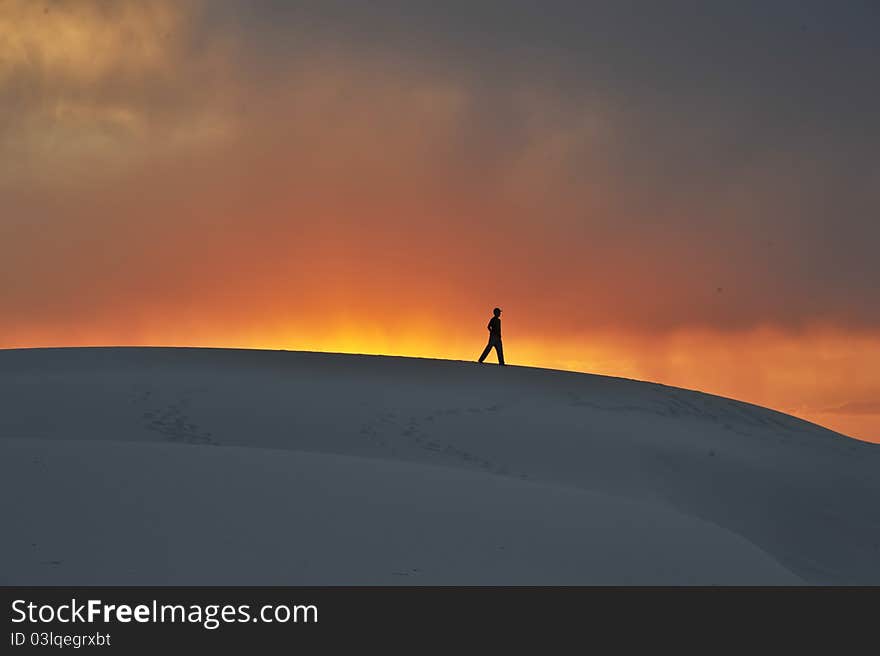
x,y
211,466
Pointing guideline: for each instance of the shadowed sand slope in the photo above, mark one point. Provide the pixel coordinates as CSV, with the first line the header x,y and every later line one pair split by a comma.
x,y
213,466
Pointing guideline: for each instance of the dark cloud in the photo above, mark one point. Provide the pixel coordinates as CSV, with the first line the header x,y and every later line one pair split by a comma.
x,y
737,144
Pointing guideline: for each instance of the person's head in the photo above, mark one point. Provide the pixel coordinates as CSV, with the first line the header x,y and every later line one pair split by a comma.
x,y
497,312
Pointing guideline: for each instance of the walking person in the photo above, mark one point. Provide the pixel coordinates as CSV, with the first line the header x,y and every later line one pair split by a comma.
x,y
494,328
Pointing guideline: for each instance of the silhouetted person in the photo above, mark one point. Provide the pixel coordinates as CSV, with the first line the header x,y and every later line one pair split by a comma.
x,y
494,337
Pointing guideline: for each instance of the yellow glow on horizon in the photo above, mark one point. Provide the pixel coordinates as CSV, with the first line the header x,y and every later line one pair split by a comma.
x,y
810,376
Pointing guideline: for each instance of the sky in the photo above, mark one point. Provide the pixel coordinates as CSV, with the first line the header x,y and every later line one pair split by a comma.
x,y
684,192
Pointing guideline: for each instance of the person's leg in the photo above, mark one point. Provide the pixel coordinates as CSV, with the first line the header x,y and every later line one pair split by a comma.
x,y
485,352
500,351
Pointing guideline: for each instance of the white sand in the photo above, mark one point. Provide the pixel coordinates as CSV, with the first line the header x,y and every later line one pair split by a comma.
x,y
207,466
